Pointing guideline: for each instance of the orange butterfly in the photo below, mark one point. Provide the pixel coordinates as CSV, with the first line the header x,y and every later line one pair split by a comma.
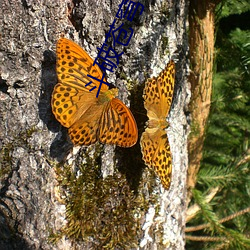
x,y
89,119
158,93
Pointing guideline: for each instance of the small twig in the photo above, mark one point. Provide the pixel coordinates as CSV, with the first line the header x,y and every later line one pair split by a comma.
x,y
205,238
230,217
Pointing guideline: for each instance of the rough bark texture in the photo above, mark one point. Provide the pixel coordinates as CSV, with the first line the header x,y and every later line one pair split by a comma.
x,y
201,40
32,142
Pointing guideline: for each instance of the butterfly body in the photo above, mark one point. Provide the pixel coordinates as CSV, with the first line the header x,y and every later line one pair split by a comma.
x,y
107,95
89,118
158,93
157,123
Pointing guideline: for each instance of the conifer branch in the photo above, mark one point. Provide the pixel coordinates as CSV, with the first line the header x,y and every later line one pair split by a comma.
x,y
194,209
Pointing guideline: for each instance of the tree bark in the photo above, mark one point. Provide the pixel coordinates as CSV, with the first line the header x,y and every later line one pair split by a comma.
x,y
41,172
201,40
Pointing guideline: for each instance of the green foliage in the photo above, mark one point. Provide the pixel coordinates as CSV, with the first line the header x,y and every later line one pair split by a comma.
x,y
207,211
226,153
230,7
218,176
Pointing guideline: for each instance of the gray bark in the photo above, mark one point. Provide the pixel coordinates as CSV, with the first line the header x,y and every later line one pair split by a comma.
x,y
32,142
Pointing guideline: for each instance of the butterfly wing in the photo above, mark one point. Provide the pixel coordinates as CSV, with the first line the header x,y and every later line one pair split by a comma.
x,y
156,153
71,98
117,125
74,64
85,130
158,93
69,103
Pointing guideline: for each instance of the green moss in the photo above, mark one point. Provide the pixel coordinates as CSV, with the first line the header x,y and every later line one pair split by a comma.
x,y
28,133
164,45
129,83
164,9
105,212
5,160
19,140
123,76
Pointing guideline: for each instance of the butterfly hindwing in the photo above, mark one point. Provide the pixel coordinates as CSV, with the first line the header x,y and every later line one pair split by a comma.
x,y
118,125
156,153
85,130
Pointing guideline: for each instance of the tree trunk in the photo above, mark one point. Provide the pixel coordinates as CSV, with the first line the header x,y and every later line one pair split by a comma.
x,y
54,195
201,40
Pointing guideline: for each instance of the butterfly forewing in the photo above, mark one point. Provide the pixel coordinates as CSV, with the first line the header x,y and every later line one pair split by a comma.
x,y
63,105
73,66
166,87
158,92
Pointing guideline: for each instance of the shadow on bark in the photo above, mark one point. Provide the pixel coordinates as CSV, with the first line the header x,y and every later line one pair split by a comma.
x,y
9,239
130,159
61,145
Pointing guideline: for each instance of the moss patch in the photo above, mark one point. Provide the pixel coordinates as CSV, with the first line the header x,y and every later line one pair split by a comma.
x,y
103,212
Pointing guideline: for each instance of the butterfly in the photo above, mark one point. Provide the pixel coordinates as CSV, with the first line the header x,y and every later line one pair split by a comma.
x,y
157,94
89,118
